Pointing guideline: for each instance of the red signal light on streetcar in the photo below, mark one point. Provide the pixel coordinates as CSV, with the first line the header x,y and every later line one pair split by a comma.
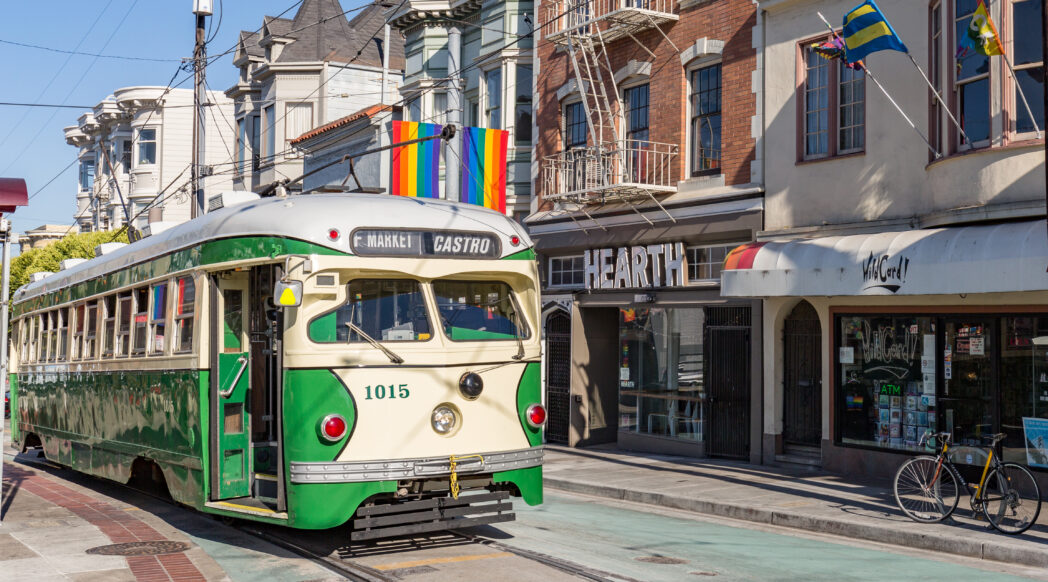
x,y
333,427
514,240
333,234
536,415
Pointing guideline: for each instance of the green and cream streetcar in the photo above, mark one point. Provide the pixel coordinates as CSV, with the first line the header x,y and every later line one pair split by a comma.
x,y
304,361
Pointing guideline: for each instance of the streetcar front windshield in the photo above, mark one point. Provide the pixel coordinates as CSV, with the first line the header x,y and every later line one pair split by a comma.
x,y
478,310
384,309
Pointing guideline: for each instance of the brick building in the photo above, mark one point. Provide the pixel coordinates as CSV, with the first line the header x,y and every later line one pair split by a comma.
x,y
648,170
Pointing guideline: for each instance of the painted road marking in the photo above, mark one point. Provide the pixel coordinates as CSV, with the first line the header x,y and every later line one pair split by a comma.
x,y
448,560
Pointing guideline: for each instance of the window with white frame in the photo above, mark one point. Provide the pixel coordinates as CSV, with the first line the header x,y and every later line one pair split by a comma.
x,y
440,108
522,112
706,120
567,271
705,262
256,143
299,119
87,175
146,146
833,102
1026,54
415,109
241,144
493,103
574,126
125,155
270,132
971,81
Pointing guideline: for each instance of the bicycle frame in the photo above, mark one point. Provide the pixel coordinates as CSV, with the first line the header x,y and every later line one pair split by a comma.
x,y
976,499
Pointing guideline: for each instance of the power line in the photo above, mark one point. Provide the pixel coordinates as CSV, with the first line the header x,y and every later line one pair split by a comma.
x,y
58,72
60,172
14,104
87,69
85,54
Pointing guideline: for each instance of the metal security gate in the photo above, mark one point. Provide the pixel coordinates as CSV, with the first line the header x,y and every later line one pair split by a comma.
x,y
558,376
802,382
728,382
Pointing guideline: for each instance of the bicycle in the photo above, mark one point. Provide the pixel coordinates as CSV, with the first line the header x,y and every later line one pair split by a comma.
x,y
926,488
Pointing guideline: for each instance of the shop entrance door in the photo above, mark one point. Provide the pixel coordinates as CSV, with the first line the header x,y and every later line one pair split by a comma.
x,y
728,388
802,379
969,377
558,376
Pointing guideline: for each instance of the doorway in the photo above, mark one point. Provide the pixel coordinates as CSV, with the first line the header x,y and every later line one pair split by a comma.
x,y
245,399
728,384
802,380
558,376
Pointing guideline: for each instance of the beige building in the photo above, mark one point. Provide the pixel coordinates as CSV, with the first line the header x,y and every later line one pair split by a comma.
x,y
136,146
43,235
903,288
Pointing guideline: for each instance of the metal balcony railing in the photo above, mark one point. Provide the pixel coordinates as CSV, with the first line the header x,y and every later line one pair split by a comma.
x,y
613,170
616,18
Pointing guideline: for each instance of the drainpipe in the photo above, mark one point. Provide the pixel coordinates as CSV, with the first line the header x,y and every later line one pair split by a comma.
x,y
385,63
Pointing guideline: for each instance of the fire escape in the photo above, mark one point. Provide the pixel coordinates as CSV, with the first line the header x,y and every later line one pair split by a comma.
x,y
611,167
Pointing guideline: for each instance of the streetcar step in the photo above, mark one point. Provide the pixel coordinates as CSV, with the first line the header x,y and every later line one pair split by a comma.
x,y
429,515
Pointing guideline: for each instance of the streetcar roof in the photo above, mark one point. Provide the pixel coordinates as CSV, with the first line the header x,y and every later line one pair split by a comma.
x,y
308,218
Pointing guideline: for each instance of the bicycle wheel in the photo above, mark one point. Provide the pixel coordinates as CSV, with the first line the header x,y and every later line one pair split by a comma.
x,y
1011,498
926,490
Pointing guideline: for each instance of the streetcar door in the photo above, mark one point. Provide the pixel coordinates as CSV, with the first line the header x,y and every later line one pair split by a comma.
x,y
231,379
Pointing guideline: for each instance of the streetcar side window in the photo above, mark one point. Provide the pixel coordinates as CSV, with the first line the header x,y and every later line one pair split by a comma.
x,y
387,310
52,335
79,313
478,310
158,318
63,333
109,336
123,323
91,333
34,339
23,334
185,303
141,320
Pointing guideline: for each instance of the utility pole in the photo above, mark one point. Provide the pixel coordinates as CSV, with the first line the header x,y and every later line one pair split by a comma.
x,y
201,10
452,175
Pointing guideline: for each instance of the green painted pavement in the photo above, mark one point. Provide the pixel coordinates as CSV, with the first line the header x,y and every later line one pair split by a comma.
x,y
600,536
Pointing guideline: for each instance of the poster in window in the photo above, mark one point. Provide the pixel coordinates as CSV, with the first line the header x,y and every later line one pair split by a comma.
x,y
1035,431
977,346
847,355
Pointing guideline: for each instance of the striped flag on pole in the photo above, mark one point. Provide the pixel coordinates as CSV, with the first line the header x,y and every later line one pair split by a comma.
x,y
416,167
484,167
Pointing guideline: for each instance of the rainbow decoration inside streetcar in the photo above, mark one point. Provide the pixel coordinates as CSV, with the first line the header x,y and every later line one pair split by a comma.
x,y
306,361
484,167
416,166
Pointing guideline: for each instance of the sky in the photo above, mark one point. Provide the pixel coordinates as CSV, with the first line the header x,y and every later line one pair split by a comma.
x,y
32,145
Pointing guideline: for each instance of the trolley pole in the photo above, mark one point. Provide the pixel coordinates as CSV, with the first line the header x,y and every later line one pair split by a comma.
x,y
5,279
201,9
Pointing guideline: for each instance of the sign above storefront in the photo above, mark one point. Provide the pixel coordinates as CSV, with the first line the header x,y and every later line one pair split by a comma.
x,y
1000,258
637,267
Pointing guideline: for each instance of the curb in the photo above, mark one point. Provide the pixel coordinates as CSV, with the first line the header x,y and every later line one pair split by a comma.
x,y
951,544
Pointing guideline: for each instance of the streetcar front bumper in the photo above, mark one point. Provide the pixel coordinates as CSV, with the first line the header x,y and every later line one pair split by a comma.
x,y
402,469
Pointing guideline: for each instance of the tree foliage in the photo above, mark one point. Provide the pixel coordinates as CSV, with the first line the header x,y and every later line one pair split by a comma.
x,y
73,246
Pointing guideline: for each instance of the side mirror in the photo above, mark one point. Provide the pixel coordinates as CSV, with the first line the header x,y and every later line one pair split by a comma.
x,y
287,293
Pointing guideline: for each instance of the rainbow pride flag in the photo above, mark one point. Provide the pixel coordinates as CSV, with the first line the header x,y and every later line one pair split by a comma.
x,y
416,166
484,167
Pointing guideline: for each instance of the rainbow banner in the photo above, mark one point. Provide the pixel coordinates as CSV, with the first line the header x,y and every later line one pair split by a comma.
x,y
416,166
484,167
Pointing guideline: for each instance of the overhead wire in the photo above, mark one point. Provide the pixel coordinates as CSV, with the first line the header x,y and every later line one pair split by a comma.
x,y
86,54
87,69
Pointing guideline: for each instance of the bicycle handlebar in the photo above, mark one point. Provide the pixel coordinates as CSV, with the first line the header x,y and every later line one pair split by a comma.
x,y
928,436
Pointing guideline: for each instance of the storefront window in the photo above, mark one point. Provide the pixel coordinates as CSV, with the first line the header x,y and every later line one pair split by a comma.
x,y
661,390
978,375
1024,389
887,385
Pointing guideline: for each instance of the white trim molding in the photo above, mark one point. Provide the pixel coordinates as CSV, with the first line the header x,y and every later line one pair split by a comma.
x,y
632,69
702,47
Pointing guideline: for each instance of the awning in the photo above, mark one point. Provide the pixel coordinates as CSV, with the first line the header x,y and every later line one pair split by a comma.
x,y
13,194
998,258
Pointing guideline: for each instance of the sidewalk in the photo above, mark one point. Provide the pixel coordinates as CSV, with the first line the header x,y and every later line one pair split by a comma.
x,y
51,526
803,499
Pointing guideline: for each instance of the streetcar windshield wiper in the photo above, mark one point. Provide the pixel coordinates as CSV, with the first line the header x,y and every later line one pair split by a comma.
x,y
389,353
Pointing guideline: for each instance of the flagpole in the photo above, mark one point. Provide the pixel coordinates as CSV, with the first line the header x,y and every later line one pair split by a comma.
x,y
869,74
1022,94
939,98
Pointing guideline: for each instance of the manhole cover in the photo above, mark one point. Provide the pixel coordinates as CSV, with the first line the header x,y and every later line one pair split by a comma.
x,y
140,549
660,560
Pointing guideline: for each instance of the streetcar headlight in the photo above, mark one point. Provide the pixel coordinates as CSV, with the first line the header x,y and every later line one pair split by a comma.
x,y
536,415
332,427
444,419
471,385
